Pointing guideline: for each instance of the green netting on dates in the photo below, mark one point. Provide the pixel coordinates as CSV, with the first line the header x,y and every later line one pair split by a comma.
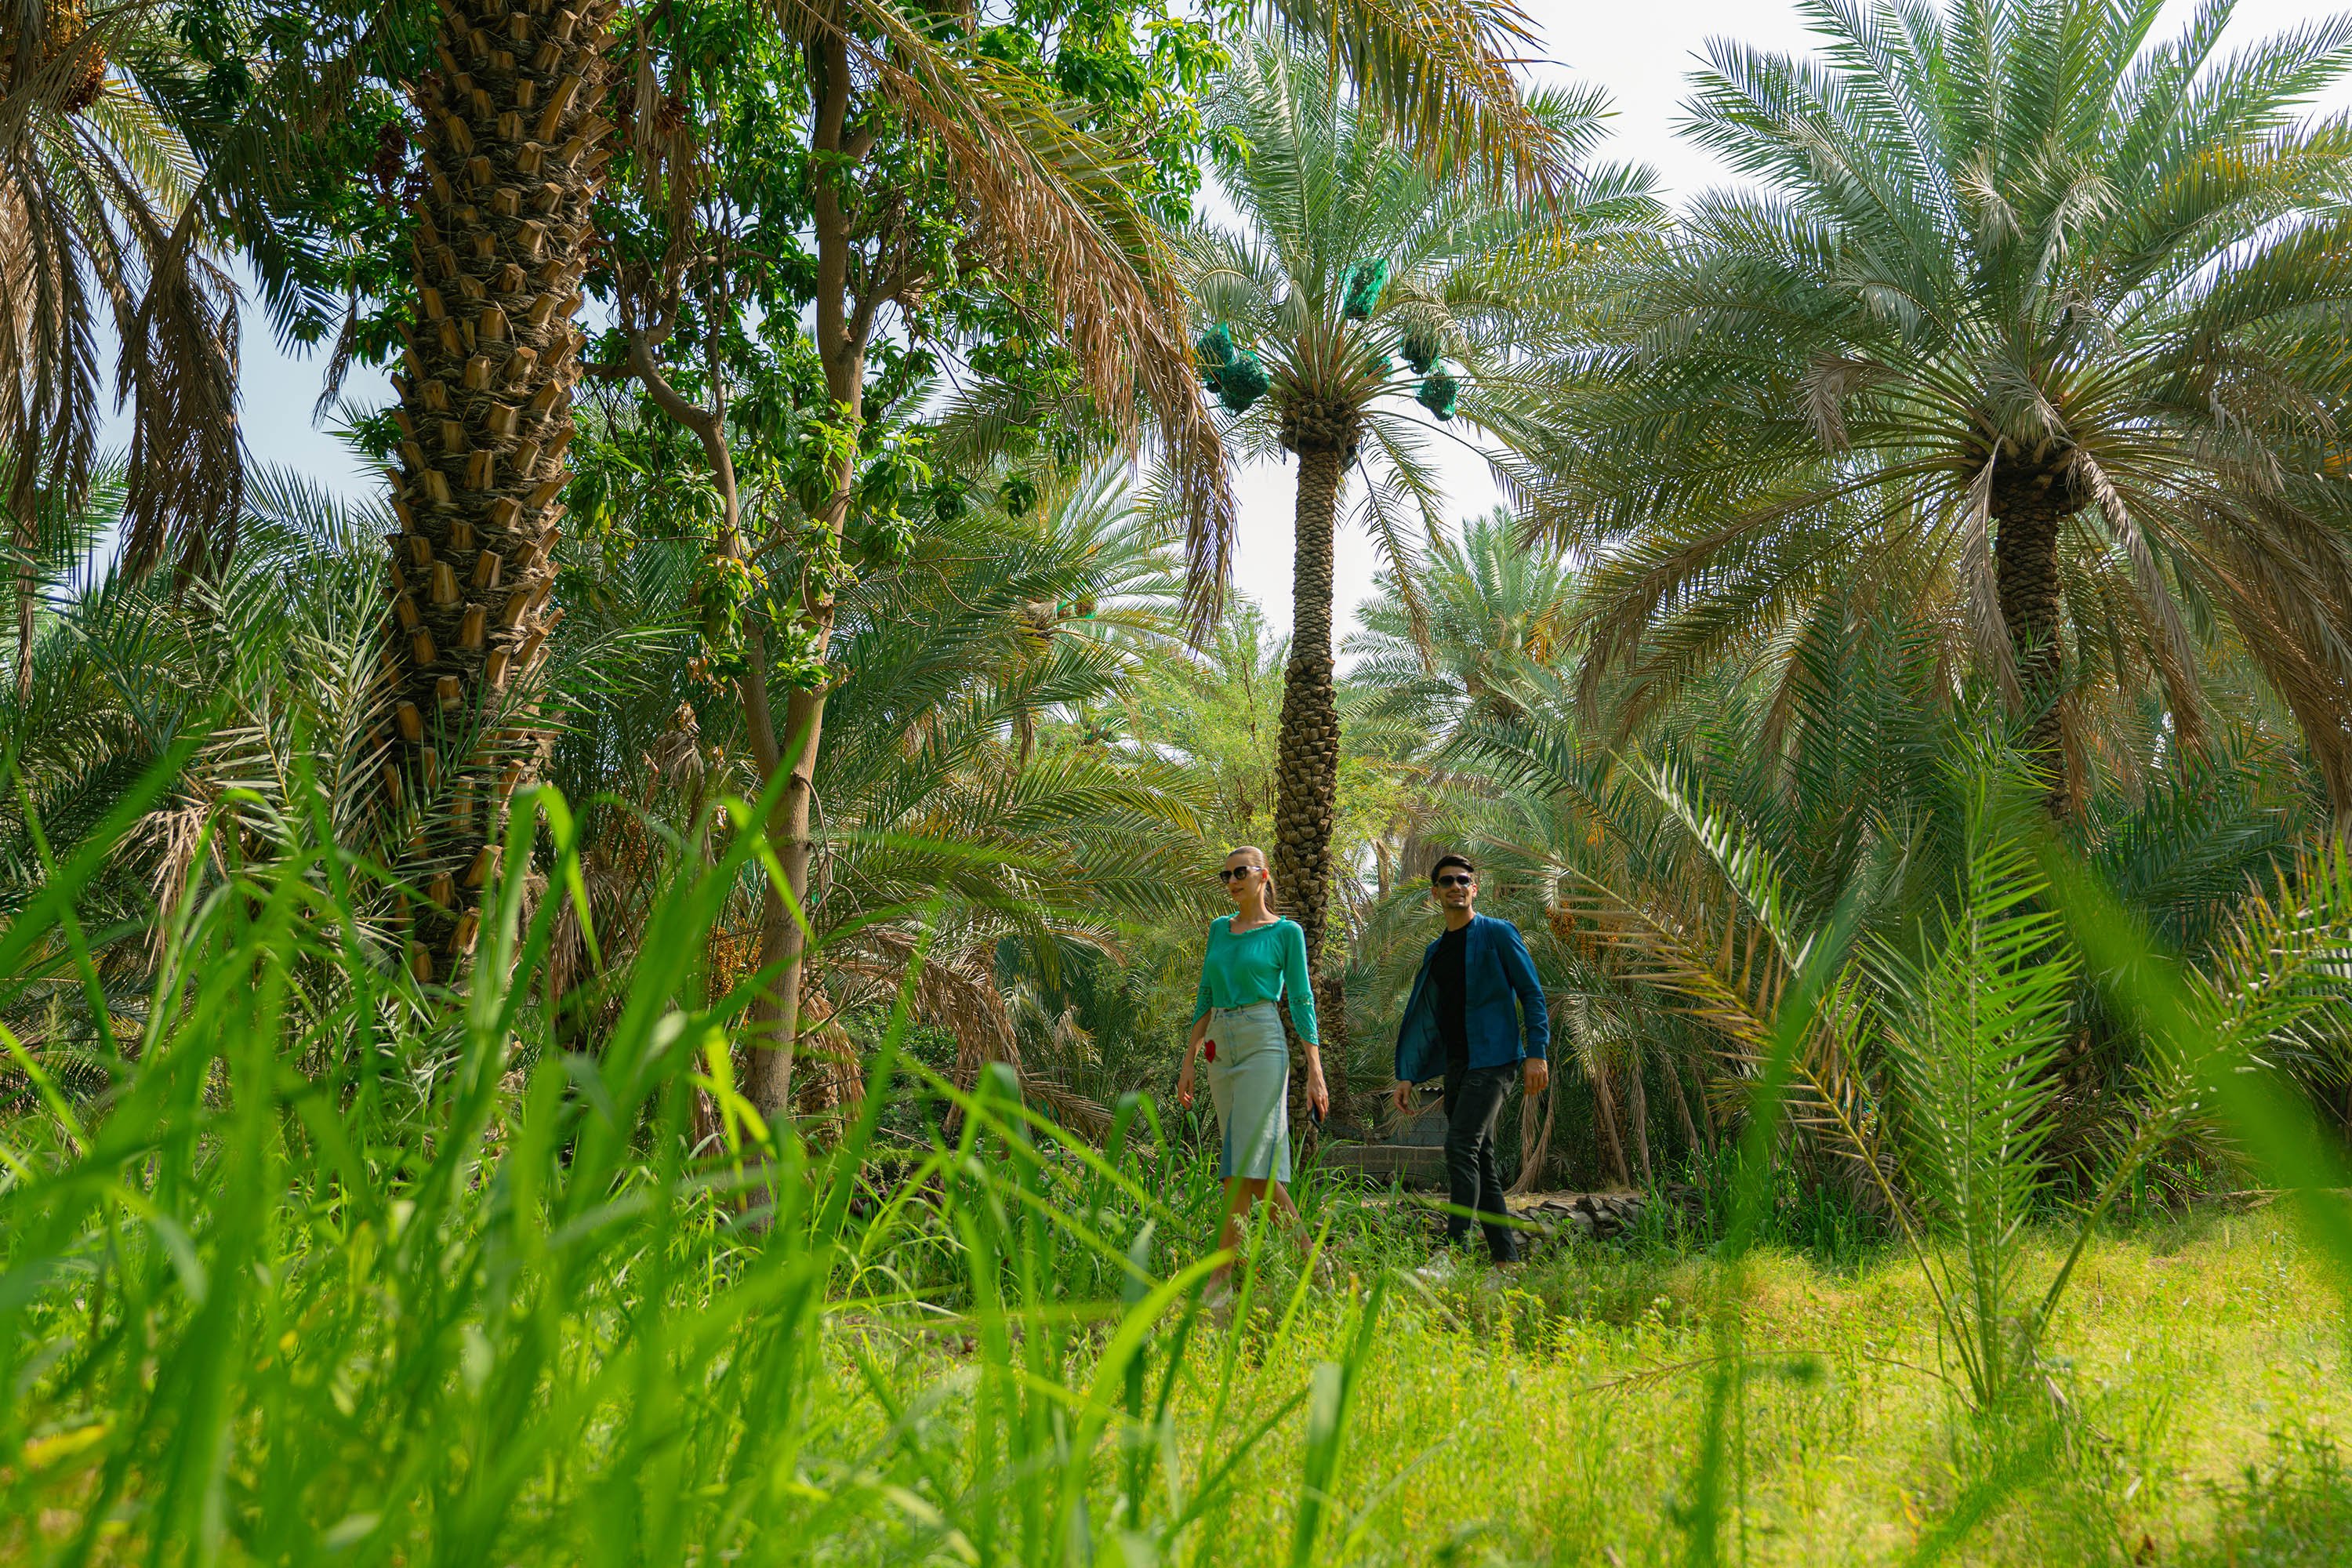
x,y
1242,383
1359,292
1441,395
1215,348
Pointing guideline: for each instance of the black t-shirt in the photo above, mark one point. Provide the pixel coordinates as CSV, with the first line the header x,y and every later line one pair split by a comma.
x,y
1447,973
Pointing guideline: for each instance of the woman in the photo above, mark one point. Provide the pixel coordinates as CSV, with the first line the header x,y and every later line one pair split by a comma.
x,y
1255,959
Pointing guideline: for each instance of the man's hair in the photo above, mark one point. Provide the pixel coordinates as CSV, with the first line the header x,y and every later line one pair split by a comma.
x,y
1445,861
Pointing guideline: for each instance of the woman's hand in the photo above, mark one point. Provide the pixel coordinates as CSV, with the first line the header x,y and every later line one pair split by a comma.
x,y
1184,1083
1317,1095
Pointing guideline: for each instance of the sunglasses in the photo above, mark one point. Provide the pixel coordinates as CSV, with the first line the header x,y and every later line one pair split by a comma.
x,y
1456,881
1230,872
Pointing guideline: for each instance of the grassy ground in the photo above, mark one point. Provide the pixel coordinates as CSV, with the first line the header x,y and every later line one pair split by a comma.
x,y
324,1276
1553,1416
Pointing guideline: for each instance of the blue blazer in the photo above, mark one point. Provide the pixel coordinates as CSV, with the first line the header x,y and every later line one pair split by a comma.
x,y
1502,1003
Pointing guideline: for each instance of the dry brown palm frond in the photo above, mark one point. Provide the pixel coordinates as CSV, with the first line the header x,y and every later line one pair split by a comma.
x,y
1534,1142
2169,645
1054,203
1980,595
830,1085
958,992
1731,977
95,213
179,369
175,834
2302,659
1828,381
1441,73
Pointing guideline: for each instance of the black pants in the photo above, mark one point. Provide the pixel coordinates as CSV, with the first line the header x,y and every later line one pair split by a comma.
x,y
1472,1096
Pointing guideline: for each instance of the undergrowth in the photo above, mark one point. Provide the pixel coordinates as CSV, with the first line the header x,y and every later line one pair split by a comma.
x,y
330,1270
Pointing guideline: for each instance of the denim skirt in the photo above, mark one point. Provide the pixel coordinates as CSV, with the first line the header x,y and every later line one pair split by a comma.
x,y
1249,1083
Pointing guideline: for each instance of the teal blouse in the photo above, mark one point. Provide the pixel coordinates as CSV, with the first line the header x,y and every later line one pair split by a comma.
x,y
1259,965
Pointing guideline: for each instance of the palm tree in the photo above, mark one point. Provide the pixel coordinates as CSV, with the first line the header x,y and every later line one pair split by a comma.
x,y
513,119
2024,327
940,818
1495,616
512,157
275,652
99,228
1348,250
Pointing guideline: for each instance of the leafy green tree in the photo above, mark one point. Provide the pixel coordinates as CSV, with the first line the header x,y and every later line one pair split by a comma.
x,y
787,313
2024,322
1349,252
949,808
1219,712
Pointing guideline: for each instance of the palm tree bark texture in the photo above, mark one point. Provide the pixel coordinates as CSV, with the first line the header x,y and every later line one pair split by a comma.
x,y
2033,505
1307,753
512,160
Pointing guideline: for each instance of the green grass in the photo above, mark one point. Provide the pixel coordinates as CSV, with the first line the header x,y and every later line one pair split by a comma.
x,y
329,1272
1556,1417
1550,1416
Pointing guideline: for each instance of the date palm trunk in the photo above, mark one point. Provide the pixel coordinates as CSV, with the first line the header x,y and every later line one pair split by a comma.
x,y
2031,510
511,158
1306,750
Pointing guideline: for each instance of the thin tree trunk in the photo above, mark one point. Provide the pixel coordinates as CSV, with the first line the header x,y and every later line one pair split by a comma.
x,y
1535,1142
776,1015
511,160
842,328
1681,1104
1641,1115
2032,511
1307,751
1606,1103
27,594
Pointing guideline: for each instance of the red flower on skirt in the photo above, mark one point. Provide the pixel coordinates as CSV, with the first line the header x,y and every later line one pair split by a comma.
x,y
1209,1051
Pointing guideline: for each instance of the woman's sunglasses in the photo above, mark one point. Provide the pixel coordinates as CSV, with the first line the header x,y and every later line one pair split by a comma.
x,y
1230,872
1456,881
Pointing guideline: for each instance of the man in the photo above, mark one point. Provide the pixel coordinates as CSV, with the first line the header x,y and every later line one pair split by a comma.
x,y
1476,1015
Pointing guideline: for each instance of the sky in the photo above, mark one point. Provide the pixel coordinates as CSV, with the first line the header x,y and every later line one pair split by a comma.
x,y
1639,53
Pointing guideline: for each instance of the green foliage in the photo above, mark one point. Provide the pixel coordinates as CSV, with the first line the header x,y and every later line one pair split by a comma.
x,y
1833,378
205,1290
1973,1033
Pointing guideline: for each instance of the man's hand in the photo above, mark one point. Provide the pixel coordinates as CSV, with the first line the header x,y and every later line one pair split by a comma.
x,y
1539,1075
1403,1095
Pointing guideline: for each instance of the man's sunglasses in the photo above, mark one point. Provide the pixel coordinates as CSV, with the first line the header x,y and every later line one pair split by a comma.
x,y
1230,872
1456,881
